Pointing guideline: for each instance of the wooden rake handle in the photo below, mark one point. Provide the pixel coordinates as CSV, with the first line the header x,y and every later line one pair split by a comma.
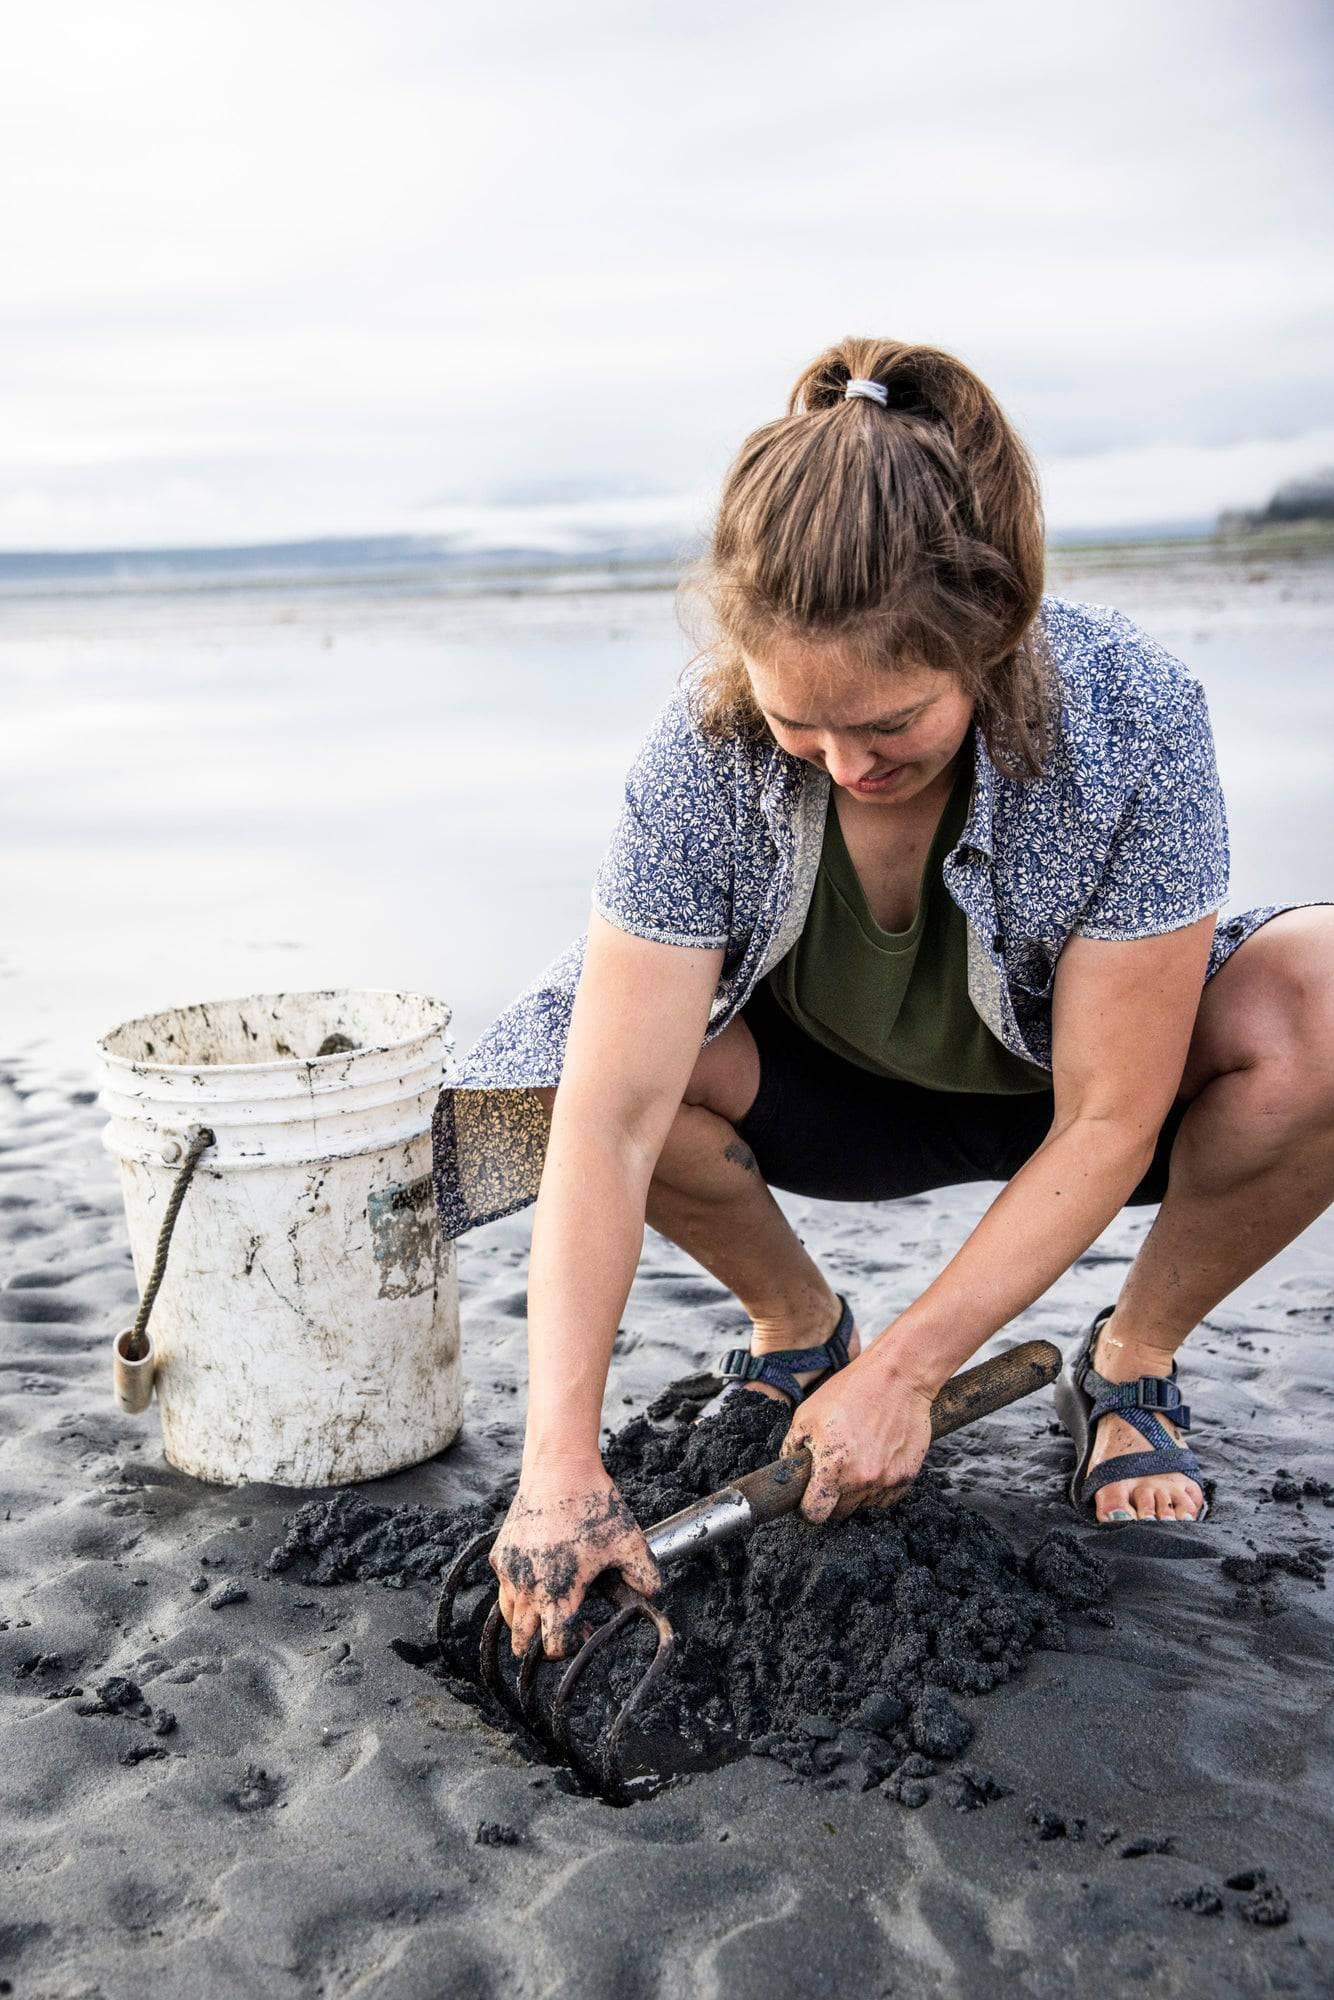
x,y
776,1489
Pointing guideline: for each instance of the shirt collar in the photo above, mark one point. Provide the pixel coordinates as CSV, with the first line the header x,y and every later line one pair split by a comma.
x,y
783,775
977,830
780,783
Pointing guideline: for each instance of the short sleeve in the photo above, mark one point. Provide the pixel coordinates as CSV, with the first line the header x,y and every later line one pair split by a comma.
x,y
667,872
1168,862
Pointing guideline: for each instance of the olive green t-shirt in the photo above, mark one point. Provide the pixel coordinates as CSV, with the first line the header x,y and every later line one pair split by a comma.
x,y
896,1002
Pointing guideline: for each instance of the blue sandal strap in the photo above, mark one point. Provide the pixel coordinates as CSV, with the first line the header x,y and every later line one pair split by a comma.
x,y
1150,1392
780,1368
1149,1428
1141,1465
1142,1404
1143,1421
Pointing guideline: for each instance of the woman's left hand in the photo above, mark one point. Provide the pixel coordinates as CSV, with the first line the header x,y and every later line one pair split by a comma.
x,y
867,1430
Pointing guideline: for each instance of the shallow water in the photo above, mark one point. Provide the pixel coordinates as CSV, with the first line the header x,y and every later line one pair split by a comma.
x,y
228,793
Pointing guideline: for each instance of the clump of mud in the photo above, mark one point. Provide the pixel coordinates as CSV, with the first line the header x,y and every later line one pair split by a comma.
x,y
346,1540
806,1641
820,1646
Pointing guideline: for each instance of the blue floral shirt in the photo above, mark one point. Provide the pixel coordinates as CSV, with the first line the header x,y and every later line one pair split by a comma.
x,y
1123,835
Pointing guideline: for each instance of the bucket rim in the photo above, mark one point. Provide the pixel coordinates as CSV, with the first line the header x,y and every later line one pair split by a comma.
x,y
146,1066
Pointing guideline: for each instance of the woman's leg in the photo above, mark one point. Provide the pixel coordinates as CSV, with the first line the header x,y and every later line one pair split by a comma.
x,y
708,1196
819,1126
1251,1167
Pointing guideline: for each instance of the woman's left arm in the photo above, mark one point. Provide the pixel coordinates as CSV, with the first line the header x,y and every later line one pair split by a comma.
x,y
1122,1017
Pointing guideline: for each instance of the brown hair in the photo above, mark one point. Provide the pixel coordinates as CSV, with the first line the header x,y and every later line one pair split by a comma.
x,y
911,532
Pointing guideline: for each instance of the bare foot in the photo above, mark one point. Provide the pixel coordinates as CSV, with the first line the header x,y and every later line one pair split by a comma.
x,y
773,1343
1164,1496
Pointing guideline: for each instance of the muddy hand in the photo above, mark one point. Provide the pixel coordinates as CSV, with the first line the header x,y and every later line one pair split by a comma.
x,y
867,1432
562,1531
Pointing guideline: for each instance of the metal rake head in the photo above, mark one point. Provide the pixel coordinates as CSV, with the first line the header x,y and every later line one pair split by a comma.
x,y
550,1718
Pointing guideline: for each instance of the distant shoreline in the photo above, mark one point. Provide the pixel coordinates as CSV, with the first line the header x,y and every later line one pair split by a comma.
x,y
395,565
1278,541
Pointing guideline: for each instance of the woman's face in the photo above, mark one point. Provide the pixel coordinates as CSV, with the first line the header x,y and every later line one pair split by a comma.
x,y
882,734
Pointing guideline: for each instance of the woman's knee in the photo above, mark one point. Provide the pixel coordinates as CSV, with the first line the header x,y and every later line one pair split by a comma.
x,y
726,1076
1271,1009
1298,981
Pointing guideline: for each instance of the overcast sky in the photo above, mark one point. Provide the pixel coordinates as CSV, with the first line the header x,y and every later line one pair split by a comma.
x,y
285,267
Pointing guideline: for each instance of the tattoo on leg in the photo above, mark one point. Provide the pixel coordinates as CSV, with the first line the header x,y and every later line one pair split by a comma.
x,y
737,1150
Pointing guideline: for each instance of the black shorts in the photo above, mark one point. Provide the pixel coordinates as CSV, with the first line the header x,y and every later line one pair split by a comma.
x,y
821,1126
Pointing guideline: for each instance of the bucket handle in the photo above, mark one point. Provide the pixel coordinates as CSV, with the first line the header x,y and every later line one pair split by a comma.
x,y
133,1361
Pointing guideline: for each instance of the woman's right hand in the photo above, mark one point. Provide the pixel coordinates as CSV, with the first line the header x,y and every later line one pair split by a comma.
x,y
566,1525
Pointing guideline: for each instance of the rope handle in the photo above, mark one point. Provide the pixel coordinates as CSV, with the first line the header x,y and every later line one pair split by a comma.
x,y
134,1346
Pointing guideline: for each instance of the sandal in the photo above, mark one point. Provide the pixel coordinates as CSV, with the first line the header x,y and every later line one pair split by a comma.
x,y
779,1369
1083,1396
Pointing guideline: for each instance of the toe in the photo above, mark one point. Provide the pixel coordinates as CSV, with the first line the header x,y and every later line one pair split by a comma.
x,y
1114,1501
1159,1500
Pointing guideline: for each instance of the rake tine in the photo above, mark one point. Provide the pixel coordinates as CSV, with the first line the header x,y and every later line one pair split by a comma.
x,y
488,1657
611,1748
489,1667
602,1767
553,1723
560,1701
453,1583
493,1678
532,1659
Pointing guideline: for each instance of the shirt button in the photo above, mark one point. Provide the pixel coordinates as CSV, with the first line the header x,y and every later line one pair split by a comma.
x,y
998,943
1235,928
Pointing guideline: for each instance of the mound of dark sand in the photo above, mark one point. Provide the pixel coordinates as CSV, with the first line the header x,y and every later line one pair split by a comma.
x,y
844,1644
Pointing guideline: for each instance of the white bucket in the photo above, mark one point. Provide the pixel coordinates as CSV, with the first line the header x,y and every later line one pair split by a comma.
x,y
307,1327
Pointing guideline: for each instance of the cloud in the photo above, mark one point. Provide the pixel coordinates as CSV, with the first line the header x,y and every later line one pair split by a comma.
x,y
274,264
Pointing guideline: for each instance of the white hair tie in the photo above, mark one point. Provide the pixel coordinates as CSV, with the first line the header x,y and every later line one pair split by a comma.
x,y
874,392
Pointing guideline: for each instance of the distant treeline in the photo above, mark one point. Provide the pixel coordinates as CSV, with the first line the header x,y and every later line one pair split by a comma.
x,y
1307,498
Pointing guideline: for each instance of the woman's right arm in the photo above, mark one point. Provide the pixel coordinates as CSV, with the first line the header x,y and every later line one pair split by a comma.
x,y
637,1027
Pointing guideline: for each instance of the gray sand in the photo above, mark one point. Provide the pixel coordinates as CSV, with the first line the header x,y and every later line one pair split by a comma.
x,y
312,1827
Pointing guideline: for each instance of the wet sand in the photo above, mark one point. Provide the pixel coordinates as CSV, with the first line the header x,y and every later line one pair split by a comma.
x,y
322,1816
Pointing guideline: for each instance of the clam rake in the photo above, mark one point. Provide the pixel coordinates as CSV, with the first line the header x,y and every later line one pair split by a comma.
x,y
548,1712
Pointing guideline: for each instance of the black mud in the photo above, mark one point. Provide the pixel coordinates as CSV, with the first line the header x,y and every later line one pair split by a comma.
x,y
846,1645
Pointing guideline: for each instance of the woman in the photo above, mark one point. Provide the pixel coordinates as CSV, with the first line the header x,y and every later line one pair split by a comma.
x,y
916,883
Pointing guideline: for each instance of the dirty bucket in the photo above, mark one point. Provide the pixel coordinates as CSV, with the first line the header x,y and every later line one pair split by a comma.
x,y
306,1331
